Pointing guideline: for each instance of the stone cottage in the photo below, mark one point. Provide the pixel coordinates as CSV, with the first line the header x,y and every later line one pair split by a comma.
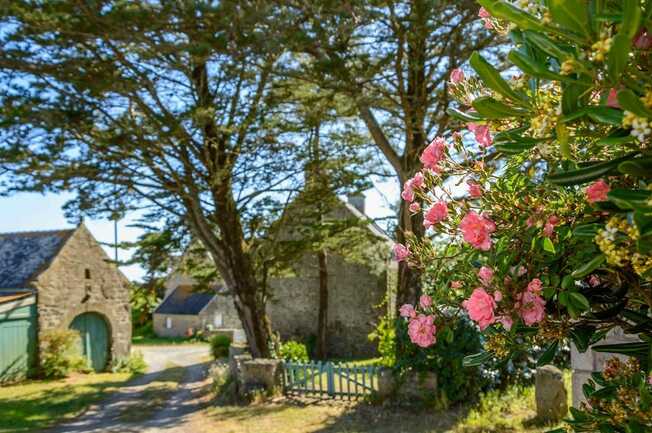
x,y
357,291
185,310
75,285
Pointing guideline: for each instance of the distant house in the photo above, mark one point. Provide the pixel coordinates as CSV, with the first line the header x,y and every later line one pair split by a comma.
x,y
60,279
186,310
357,291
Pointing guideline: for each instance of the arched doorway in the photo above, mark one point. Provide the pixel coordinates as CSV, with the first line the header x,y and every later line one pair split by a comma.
x,y
94,333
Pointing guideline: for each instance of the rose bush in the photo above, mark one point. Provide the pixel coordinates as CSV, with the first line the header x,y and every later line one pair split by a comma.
x,y
542,200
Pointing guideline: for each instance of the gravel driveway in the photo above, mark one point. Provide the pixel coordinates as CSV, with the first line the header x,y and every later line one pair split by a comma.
x,y
120,412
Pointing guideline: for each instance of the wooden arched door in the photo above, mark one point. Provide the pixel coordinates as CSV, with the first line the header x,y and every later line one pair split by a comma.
x,y
94,333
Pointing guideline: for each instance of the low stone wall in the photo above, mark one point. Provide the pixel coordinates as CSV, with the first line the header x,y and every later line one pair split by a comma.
x,y
260,376
417,386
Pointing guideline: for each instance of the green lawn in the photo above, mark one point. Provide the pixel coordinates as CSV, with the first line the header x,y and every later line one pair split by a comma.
x,y
512,411
33,405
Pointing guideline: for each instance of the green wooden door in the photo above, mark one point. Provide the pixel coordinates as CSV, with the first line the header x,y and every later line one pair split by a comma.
x,y
94,339
17,343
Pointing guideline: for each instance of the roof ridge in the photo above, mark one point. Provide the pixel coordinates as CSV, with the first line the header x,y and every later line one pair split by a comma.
x,y
38,232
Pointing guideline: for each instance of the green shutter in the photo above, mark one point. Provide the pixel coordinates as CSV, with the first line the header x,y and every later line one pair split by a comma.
x,y
17,343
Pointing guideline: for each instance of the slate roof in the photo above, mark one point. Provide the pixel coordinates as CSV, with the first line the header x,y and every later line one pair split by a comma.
x,y
24,254
184,301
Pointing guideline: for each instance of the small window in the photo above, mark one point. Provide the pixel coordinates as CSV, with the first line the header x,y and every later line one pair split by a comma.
x,y
168,322
217,320
87,273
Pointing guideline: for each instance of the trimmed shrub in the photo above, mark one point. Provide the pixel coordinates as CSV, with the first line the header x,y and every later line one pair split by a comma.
x,y
134,364
60,354
293,350
220,346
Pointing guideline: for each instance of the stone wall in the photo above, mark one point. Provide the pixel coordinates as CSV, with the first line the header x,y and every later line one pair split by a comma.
x,y
355,295
583,364
82,279
180,324
222,304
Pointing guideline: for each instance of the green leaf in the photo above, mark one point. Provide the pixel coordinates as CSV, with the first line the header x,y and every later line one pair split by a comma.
x,y
464,117
533,67
630,198
639,167
606,115
568,282
546,45
570,14
548,355
578,301
492,79
631,18
631,102
587,174
477,359
630,349
581,336
548,246
506,11
490,108
589,267
570,99
587,230
512,148
618,56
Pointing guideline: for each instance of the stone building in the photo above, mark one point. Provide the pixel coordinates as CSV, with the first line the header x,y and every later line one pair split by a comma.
x,y
75,285
357,289
185,310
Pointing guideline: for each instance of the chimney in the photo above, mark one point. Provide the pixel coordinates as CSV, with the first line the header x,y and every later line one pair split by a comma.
x,y
357,201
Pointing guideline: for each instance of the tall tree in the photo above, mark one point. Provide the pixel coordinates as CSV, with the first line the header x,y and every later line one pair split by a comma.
x,y
393,59
159,106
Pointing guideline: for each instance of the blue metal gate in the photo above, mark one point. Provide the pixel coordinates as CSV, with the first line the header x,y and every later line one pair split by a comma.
x,y
329,379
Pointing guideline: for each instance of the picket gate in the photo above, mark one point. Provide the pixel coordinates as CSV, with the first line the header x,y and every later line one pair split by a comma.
x,y
329,379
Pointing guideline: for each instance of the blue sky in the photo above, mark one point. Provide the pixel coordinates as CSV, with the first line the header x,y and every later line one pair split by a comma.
x,y
31,211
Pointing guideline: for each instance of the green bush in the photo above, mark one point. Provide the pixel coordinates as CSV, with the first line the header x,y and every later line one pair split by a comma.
x,y
456,383
134,364
60,354
220,346
293,350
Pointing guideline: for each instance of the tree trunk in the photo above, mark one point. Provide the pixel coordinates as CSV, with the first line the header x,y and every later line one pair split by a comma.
x,y
322,321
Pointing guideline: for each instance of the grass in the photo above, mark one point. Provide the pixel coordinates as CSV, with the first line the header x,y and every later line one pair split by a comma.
x,y
143,340
33,405
512,411
156,395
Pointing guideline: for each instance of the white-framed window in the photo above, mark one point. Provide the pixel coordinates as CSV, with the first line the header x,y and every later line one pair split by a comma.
x,y
218,320
168,322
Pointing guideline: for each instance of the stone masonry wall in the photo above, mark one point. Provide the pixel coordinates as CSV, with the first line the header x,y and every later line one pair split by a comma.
x,y
583,364
222,304
64,291
180,324
355,295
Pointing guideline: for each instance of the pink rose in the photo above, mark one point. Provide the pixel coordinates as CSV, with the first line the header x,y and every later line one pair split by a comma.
x,y
643,40
408,193
436,214
612,99
506,321
415,207
417,180
425,301
482,135
485,15
531,307
480,307
401,252
476,230
422,331
485,274
548,230
498,296
597,191
456,284
594,281
475,191
530,222
535,286
407,310
433,153
457,76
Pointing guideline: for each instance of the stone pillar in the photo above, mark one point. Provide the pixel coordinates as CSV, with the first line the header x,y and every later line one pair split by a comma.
x,y
583,364
550,393
262,374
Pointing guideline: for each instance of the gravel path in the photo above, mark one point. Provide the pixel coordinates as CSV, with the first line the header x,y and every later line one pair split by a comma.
x,y
175,417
